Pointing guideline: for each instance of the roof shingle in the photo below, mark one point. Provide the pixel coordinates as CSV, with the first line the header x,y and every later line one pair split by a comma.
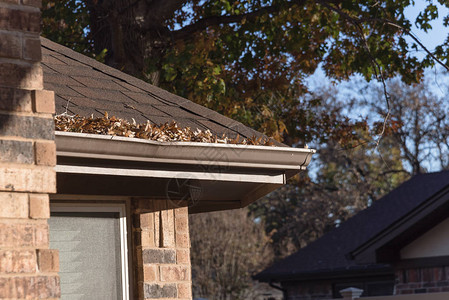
x,y
84,86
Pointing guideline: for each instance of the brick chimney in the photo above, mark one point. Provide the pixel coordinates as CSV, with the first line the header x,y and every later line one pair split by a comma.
x,y
28,269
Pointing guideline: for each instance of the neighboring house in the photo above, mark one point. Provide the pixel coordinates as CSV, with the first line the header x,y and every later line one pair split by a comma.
x,y
117,208
399,245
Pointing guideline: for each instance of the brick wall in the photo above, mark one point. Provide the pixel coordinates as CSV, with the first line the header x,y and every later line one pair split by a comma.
x,y
28,269
308,290
162,252
422,280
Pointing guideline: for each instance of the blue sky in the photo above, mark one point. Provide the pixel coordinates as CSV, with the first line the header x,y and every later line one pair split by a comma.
x,y
438,33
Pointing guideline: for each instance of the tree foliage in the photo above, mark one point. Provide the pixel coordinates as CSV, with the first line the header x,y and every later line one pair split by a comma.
x,y
65,22
344,178
346,182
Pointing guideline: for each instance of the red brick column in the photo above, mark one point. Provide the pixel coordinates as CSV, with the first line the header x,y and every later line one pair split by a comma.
x,y
162,253
28,269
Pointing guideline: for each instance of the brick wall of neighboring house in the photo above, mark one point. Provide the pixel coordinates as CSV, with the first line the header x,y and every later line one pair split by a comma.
x,y
162,252
422,280
28,269
308,290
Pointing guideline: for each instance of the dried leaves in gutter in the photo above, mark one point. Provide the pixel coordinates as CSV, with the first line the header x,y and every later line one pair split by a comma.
x,y
168,132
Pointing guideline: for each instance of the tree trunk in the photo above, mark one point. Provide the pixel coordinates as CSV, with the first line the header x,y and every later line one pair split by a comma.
x,y
134,34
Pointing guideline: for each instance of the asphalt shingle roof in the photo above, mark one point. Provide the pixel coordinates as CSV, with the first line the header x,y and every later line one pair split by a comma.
x,y
87,87
330,252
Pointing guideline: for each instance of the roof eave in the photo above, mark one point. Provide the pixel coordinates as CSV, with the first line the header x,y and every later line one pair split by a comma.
x,y
325,274
253,170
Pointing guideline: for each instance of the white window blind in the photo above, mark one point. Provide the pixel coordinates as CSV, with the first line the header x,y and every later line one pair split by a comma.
x,y
89,253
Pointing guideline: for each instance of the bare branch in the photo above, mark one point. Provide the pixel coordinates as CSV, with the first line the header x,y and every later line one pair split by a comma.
x,y
409,33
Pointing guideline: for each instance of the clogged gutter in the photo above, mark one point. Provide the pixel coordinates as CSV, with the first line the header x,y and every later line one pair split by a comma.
x,y
168,132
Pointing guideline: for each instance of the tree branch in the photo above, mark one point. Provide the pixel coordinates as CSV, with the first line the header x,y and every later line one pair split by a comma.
x,y
164,9
410,34
204,23
390,171
161,9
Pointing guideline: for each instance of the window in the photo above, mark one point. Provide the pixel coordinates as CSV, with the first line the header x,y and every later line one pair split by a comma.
x,y
92,245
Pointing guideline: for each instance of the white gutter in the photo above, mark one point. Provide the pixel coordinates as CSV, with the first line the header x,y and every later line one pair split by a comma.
x,y
84,145
217,176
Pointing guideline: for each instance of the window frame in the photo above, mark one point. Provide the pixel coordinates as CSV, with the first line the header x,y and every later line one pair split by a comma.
x,y
120,207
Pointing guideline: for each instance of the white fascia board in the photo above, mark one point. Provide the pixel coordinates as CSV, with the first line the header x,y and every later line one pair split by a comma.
x,y
133,149
204,176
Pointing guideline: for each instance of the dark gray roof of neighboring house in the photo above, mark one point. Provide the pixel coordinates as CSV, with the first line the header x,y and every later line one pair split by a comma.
x,y
329,254
87,87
